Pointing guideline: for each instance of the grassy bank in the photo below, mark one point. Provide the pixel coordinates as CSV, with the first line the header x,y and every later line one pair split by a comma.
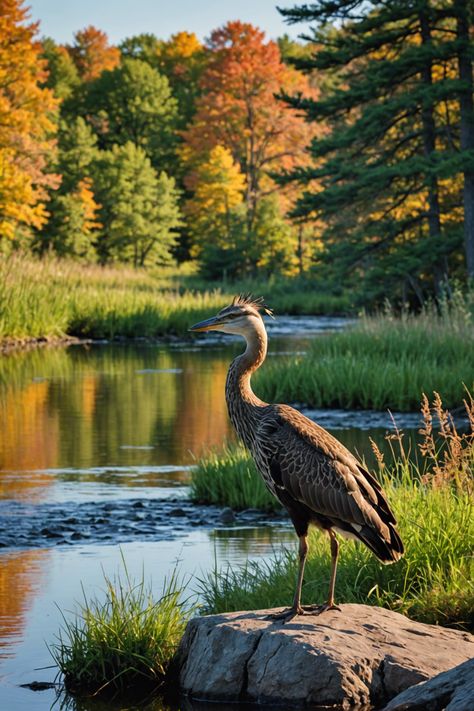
x,y
51,299
430,491
122,644
384,361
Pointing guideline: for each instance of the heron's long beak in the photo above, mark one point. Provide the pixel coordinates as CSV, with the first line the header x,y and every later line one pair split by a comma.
x,y
211,324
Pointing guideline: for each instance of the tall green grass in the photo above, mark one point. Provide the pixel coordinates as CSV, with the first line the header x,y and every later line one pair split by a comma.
x,y
230,478
53,298
122,644
384,361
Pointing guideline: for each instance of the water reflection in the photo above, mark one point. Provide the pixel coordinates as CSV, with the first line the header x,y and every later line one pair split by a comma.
x,y
243,543
114,405
21,576
65,411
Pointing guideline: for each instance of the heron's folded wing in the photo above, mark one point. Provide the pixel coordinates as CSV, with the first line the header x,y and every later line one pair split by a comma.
x,y
310,466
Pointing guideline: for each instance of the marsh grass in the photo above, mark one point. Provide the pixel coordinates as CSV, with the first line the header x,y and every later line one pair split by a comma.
x,y
383,361
123,643
230,478
430,490
51,298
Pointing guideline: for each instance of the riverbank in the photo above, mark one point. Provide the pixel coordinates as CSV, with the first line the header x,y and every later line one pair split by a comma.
x,y
52,299
383,361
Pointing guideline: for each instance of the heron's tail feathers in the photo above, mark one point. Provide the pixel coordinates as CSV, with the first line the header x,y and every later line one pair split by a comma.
x,y
386,551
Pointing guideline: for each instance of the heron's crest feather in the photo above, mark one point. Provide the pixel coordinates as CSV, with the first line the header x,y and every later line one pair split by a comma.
x,y
257,303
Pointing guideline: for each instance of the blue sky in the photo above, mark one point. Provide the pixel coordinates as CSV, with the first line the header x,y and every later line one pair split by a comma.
x,y
123,18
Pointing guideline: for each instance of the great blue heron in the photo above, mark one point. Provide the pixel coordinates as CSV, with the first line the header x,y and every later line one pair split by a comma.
x,y
310,472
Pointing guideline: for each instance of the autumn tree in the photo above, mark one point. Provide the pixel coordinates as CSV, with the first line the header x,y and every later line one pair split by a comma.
x,y
26,124
92,53
139,209
182,59
238,109
133,102
217,187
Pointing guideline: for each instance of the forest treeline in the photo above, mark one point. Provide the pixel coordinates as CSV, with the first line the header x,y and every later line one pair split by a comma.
x,y
346,156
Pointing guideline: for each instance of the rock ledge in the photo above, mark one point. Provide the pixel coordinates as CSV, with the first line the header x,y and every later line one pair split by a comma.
x,y
363,656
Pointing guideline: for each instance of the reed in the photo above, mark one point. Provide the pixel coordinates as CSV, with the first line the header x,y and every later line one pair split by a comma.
x,y
124,643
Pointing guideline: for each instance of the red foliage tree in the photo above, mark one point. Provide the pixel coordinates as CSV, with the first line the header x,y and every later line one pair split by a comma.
x,y
92,53
239,110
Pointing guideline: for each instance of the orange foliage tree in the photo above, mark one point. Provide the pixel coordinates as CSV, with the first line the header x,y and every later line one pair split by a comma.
x,y
26,123
238,109
182,59
92,53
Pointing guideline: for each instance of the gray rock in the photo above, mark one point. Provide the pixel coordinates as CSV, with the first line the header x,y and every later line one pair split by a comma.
x,y
362,656
452,690
227,516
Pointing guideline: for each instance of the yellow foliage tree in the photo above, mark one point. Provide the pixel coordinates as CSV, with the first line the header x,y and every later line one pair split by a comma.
x,y
218,186
26,123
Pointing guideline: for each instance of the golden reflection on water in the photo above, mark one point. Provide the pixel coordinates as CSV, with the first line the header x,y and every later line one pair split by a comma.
x,y
21,576
114,405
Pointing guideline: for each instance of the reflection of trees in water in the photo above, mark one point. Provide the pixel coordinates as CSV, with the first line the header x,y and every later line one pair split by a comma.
x,y
202,420
21,575
28,440
79,407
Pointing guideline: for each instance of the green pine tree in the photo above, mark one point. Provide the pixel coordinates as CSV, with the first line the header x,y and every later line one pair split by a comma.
x,y
389,167
72,227
139,209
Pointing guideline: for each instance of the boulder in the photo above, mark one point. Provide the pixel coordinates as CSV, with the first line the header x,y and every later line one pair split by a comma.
x,y
452,690
362,656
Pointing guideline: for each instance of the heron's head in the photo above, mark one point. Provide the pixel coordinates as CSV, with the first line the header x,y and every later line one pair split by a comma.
x,y
242,316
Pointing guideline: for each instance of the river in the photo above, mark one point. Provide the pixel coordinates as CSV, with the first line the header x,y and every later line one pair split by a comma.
x,y
97,442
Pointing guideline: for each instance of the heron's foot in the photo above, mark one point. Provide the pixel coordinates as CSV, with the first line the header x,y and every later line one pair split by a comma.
x,y
319,609
287,615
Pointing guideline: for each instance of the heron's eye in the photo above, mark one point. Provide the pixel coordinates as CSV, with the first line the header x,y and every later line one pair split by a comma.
x,y
233,316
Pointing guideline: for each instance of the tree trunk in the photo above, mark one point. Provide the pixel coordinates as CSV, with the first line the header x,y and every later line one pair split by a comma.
x,y
466,104
440,271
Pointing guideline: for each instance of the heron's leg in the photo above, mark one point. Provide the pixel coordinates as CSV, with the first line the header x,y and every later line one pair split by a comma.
x,y
296,608
302,554
332,581
329,605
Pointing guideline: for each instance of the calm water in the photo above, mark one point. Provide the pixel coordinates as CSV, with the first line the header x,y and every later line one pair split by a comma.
x,y
89,428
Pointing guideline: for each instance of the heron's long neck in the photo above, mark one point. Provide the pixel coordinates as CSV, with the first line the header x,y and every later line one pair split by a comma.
x,y
242,402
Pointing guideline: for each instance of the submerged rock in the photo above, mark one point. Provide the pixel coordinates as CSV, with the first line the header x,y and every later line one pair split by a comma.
x,y
227,516
363,656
